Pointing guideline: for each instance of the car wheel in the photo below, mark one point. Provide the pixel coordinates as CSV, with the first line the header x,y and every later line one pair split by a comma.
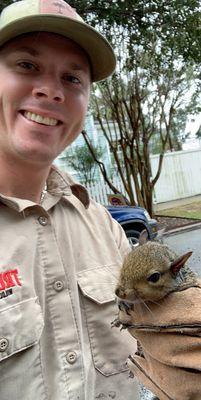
x,y
133,236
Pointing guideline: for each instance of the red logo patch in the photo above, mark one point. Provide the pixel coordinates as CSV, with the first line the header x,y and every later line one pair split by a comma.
x,y
9,279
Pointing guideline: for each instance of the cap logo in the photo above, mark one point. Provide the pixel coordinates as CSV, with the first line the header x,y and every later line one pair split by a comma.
x,y
57,7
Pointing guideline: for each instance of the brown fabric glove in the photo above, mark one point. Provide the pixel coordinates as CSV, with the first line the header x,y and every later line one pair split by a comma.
x,y
170,335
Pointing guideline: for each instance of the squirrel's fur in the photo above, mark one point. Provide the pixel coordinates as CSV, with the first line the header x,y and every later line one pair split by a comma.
x,y
146,260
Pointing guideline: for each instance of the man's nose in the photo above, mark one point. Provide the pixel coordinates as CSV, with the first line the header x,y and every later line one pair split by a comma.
x,y
49,89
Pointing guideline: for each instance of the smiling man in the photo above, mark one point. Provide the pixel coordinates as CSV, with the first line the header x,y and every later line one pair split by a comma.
x,y
60,251
41,72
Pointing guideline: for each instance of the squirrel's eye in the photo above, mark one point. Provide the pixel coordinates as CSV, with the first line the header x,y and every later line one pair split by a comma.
x,y
154,277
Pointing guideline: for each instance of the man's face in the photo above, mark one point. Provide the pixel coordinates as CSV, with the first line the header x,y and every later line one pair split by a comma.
x,y
44,93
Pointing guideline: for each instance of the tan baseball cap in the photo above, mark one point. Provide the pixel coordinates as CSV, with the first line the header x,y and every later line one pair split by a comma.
x,y
56,16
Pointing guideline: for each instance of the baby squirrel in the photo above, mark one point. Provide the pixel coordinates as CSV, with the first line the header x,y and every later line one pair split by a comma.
x,y
151,271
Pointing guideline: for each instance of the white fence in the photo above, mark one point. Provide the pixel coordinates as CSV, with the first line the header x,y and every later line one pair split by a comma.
x,y
99,191
180,178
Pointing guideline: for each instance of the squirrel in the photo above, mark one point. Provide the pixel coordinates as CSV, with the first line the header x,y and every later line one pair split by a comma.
x,y
151,271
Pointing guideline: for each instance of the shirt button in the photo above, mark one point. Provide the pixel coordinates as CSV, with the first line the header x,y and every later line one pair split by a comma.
x,y
58,286
42,220
71,357
3,344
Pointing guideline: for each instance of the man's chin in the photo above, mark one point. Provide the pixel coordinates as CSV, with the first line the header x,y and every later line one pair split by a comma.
x,y
36,156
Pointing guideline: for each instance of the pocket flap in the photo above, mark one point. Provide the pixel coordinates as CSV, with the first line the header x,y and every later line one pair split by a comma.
x,y
99,284
20,327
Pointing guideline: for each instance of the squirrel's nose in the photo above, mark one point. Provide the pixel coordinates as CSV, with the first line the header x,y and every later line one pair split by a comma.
x,y
119,291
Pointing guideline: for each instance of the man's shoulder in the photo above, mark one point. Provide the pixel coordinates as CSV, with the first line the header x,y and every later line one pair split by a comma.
x,y
64,179
81,192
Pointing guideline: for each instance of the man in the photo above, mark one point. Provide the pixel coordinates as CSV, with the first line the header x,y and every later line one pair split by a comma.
x,y
60,251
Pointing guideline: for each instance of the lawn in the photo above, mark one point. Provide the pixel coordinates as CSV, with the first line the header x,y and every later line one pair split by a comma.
x,y
192,210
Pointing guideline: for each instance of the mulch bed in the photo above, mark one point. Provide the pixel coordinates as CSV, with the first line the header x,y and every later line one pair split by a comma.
x,y
170,223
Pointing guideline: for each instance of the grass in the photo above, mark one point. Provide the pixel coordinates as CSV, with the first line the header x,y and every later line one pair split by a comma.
x,y
192,211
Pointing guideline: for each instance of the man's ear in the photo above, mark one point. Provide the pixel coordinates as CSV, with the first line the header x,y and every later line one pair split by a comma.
x,y
179,263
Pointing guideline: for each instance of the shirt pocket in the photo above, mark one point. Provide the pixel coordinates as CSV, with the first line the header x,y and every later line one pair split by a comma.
x,y
110,347
20,327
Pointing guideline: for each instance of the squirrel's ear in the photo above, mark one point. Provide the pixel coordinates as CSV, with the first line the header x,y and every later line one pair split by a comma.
x,y
143,238
179,262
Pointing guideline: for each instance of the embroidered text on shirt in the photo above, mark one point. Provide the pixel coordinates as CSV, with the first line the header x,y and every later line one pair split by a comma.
x,y
6,293
9,279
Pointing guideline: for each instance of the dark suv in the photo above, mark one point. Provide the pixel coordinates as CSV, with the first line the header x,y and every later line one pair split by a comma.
x,y
134,220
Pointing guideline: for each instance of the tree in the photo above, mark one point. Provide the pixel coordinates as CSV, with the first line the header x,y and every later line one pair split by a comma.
x,y
5,3
198,133
135,110
158,55
175,23
82,162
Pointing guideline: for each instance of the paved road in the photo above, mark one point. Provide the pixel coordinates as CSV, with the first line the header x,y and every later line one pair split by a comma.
x,y
185,241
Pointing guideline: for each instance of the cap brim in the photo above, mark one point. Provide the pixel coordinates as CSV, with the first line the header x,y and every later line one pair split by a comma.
x,y
99,51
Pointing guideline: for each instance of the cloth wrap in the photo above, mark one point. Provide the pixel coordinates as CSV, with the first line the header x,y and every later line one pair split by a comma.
x,y
170,336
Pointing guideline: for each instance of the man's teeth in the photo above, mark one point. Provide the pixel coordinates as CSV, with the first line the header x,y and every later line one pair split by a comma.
x,y
41,120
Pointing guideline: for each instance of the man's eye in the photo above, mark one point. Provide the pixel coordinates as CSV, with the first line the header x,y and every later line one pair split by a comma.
x,y
71,78
27,65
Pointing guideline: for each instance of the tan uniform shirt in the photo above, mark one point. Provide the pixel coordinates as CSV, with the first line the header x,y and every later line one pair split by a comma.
x,y
59,263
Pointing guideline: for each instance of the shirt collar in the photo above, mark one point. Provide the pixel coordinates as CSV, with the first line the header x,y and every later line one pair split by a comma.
x,y
59,184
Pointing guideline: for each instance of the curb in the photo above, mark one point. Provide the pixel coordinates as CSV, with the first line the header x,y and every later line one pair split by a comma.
x,y
181,229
